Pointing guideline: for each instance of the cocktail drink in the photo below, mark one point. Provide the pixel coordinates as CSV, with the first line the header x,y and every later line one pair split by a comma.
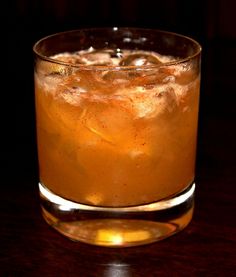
x,y
117,114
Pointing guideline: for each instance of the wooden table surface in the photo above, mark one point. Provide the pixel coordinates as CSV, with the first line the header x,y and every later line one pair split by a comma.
x,y
207,247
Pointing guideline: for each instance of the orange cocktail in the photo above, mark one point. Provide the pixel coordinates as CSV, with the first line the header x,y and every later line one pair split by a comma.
x,y
116,127
116,139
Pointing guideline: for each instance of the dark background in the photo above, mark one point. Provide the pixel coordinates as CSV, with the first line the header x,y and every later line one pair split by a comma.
x,y
211,22
207,247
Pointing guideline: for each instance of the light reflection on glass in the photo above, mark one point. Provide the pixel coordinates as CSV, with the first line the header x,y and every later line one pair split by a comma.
x,y
117,270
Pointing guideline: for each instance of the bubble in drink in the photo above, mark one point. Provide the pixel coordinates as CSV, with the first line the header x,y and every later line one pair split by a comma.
x,y
140,59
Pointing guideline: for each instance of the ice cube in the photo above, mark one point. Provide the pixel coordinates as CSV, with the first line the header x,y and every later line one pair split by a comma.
x,y
147,80
183,73
150,103
67,57
118,77
168,98
108,119
84,82
49,77
140,59
96,58
47,68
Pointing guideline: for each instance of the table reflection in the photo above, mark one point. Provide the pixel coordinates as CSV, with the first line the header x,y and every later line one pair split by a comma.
x,y
117,269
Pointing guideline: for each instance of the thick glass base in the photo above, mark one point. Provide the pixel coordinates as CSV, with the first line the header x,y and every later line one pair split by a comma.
x,y
118,227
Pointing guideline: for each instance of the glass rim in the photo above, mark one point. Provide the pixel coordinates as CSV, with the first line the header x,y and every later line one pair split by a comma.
x,y
117,67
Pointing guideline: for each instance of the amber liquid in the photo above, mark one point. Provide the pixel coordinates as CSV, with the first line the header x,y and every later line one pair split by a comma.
x,y
105,148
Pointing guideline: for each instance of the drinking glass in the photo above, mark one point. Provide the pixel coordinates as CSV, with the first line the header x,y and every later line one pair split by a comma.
x,y
117,116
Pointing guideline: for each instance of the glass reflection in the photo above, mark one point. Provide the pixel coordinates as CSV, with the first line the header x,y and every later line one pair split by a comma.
x,y
117,269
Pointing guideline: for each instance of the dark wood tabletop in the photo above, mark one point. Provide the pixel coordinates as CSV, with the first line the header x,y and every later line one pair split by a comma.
x,y
207,247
